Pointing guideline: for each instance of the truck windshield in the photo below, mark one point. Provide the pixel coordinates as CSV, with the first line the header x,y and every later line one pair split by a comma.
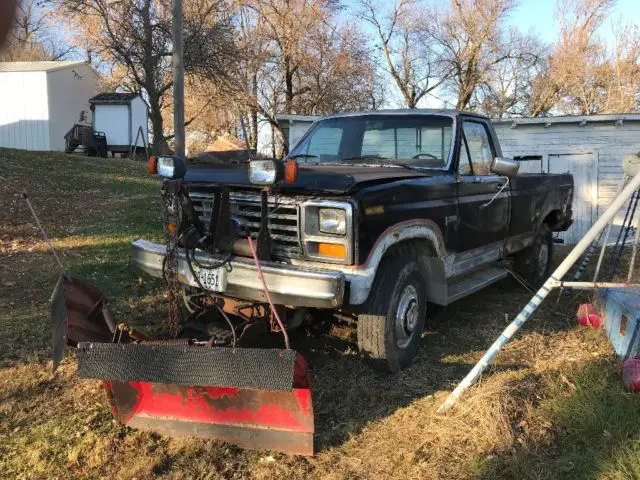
x,y
412,140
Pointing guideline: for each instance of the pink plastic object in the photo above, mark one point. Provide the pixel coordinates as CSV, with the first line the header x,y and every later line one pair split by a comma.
x,y
631,374
588,317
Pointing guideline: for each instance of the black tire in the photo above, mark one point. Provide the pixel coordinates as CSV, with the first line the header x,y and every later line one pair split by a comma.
x,y
533,264
399,292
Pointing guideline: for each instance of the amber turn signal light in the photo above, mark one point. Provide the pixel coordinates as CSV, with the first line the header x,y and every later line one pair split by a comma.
x,y
291,171
333,250
152,165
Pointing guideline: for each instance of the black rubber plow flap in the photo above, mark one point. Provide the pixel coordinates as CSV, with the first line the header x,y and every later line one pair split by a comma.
x,y
188,365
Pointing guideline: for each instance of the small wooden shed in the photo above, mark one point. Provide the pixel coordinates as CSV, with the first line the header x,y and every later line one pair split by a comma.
x,y
124,119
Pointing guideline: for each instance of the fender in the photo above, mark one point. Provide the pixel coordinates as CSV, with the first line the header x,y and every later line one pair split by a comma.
x,y
362,276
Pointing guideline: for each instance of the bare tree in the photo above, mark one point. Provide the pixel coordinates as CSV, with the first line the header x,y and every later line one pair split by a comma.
x,y
473,42
134,37
31,37
579,58
296,60
407,48
520,85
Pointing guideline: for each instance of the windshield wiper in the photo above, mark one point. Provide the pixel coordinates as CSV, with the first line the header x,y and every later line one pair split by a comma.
x,y
303,155
383,161
365,157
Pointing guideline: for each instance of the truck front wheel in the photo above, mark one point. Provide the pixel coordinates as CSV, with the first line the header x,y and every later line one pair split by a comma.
x,y
389,330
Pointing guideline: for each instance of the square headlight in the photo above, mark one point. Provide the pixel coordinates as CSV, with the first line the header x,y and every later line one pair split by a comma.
x,y
264,172
332,221
171,167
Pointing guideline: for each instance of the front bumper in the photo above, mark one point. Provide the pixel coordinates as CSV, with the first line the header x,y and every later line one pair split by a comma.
x,y
287,284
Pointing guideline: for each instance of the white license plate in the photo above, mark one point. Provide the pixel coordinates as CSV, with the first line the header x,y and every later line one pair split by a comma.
x,y
215,280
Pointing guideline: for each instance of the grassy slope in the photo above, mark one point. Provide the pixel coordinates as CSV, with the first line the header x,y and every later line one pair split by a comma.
x,y
552,406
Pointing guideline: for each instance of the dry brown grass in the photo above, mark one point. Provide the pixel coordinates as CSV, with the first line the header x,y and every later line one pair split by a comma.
x,y
551,406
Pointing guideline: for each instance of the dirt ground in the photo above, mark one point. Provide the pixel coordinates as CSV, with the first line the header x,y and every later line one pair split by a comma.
x,y
552,405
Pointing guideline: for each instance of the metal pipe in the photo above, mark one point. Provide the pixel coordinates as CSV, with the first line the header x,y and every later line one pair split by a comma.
x,y
541,294
591,285
606,237
587,257
178,79
632,261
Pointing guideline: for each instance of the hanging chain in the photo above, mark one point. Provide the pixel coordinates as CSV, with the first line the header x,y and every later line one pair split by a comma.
x,y
172,199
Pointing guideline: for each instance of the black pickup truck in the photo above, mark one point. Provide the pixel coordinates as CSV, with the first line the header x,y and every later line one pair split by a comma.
x,y
371,216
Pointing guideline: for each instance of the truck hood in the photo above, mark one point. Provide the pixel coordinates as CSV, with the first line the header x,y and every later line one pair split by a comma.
x,y
336,179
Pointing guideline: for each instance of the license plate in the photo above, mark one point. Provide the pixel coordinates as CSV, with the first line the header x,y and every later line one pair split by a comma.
x,y
215,280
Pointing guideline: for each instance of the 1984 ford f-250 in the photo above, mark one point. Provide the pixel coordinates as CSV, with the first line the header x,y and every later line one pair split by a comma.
x,y
371,216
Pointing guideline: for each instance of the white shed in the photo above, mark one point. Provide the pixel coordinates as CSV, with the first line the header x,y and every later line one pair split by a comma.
x,y
591,148
124,119
41,101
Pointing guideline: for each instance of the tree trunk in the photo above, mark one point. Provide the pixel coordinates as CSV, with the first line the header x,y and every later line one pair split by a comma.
x,y
160,146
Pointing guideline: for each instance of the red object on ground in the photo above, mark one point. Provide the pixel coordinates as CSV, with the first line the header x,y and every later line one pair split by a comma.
x,y
631,374
251,418
588,317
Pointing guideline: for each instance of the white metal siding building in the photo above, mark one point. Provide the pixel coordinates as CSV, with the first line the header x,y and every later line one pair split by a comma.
x,y
591,148
41,101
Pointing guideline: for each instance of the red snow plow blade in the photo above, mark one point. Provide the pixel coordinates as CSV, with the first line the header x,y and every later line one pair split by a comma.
x,y
255,419
254,398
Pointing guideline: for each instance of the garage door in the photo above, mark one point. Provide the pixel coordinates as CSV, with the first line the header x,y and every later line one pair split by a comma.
x,y
583,167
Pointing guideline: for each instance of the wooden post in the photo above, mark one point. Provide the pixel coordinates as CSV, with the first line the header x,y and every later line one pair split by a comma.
x,y
178,79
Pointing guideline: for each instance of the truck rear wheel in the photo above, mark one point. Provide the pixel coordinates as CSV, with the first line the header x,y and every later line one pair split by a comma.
x,y
390,329
533,263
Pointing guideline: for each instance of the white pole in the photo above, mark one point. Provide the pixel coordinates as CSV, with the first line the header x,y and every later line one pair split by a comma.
x,y
541,294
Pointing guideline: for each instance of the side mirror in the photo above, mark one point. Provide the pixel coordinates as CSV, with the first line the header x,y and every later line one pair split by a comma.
x,y
505,166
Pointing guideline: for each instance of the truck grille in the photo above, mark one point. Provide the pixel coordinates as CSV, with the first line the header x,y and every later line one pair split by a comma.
x,y
245,208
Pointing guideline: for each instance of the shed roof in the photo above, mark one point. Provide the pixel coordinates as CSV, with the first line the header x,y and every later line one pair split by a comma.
x,y
113,98
38,66
580,120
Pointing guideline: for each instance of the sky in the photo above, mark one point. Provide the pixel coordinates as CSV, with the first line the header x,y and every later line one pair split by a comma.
x,y
530,16
539,16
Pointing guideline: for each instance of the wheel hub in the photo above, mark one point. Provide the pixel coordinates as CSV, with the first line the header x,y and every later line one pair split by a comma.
x,y
407,316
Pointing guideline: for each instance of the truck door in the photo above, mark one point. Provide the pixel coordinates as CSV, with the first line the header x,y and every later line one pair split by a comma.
x,y
484,199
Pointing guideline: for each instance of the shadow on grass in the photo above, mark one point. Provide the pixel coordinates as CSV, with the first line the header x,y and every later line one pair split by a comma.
x,y
596,433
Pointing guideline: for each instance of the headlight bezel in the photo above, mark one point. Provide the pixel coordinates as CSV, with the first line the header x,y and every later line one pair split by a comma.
x,y
312,237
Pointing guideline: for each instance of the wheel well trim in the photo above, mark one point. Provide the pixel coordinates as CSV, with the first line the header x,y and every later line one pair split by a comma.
x,y
364,274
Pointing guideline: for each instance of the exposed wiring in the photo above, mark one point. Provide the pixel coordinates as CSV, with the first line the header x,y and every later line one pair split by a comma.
x,y
266,292
215,266
206,292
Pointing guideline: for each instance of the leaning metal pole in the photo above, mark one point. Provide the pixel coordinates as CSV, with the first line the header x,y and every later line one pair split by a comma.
x,y
552,281
178,79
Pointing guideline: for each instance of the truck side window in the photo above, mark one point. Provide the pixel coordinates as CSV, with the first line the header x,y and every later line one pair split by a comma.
x,y
476,151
